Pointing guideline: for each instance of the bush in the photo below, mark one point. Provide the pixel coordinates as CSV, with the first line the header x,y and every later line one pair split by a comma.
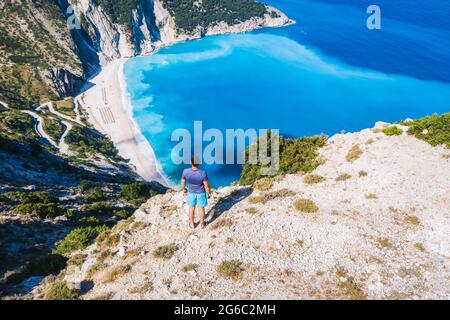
x,y
48,211
306,206
123,214
101,208
296,156
343,177
78,239
434,129
165,252
90,221
138,192
60,291
31,197
393,131
95,195
230,269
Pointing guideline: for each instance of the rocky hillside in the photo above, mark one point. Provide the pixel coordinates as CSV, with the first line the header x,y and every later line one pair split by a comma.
x,y
42,59
370,222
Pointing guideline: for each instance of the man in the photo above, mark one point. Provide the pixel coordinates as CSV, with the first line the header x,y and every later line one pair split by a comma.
x,y
198,190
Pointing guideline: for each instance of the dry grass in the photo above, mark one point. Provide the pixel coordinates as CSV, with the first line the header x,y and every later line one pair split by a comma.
x,y
419,246
256,199
103,296
343,177
189,267
123,225
147,286
413,220
313,179
351,288
230,269
95,268
263,199
264,184
116,273
229,240
363,173
107,240
305,206
370,141
251,210
354,154
222,223
165,252
384,243
371,196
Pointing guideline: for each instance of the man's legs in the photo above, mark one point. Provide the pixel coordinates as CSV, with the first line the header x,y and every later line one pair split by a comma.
x,y
191,216
202,217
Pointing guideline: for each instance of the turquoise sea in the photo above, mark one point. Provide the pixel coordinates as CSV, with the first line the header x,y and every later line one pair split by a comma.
x,y
325,74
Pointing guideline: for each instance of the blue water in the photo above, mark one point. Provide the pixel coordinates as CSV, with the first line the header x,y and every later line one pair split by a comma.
x,y
325,74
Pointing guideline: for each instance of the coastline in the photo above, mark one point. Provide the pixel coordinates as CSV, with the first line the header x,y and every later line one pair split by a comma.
x,y
110,110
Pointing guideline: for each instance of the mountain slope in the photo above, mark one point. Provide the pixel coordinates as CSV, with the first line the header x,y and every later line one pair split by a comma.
x,y
371,222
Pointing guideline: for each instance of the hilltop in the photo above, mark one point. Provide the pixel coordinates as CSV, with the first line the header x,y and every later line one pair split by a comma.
x,y
370,222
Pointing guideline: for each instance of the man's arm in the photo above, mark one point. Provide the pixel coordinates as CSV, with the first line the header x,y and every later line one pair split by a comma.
x,y
183,185
207,188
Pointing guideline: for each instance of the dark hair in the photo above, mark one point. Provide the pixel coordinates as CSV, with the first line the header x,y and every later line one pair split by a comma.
x,y
195,161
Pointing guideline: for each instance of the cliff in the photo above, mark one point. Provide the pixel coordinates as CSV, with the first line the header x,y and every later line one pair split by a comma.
x,y
371,222
39,49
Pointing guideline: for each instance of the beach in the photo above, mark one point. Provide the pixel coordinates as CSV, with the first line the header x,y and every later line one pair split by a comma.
x,y
110,112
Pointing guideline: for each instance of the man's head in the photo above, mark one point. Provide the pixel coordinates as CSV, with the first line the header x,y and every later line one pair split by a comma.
x,y
195,162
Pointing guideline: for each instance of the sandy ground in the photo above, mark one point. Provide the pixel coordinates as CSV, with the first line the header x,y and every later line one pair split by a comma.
x,y
109,112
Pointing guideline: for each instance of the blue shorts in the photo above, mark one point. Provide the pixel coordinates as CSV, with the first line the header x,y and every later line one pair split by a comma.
x,y
197,200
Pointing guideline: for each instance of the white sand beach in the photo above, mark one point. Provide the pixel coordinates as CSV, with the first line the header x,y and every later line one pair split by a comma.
x,y
111,113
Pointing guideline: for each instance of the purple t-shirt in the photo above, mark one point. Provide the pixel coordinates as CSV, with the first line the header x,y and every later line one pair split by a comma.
x,y
195,179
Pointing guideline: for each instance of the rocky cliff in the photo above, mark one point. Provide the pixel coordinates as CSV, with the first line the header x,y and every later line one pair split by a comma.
x,y
371,222
54,45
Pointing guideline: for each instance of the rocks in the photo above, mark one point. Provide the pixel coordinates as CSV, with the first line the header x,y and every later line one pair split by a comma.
x,y
352,247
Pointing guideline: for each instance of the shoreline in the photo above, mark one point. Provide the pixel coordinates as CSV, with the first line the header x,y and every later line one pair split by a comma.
x,y
110,111
108,104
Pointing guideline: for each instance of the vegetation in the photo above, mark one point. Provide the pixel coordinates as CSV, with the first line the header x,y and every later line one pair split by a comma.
x,y
65,107
78,239
393,131
371,196
434,129
54,129
30,197
313,179
45,211
60,291
413,220
120,11
95,195
296,156
88,142
189,267
230,269
306,206
189,14
343,177
165,252
101,208
116,272
137,192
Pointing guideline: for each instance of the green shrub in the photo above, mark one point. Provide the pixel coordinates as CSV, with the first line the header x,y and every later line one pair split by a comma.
x,y
78,239
137,192
89,221
60,291
49,211
101,208
434,129
31,197
296,156
95,195
230,269
123,214
306,206
393,131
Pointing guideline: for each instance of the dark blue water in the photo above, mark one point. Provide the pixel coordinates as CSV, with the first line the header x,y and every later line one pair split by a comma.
x,y
325,74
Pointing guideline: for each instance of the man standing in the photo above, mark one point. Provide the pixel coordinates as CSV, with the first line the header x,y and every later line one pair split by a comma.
x,y
198,190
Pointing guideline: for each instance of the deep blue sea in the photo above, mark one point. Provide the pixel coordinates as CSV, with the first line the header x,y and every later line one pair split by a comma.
x,y
325,74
